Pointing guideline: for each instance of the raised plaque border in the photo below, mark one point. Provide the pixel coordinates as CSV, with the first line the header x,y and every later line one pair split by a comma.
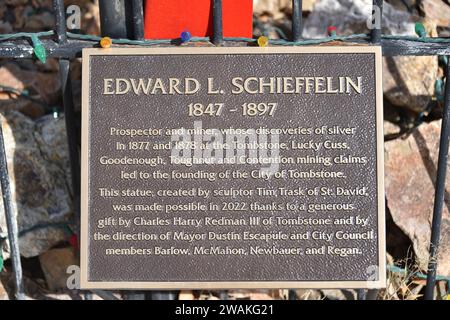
x,y
84,281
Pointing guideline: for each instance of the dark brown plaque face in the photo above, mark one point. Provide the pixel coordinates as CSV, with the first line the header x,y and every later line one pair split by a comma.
x,y
232,168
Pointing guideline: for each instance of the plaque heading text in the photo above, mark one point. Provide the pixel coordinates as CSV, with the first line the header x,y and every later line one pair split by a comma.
x,y
238,85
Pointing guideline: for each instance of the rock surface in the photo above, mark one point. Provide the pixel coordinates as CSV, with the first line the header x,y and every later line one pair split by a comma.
x,y
54,264
411,166
40,89
41,85
275,6
409,81
339,294
437,11
38,166
351,16
3,293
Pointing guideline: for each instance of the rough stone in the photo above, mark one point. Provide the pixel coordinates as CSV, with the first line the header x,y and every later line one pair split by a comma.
x,y
390,128
411,166
186,295
409,81
54,264
437,11
37,165
408,5
308,294
3,293
23,105
274,7
351,17
5,27
339,294
251,294
38,22
41,85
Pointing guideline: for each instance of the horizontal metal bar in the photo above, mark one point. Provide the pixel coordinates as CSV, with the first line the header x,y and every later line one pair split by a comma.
x,y
72,49
410,48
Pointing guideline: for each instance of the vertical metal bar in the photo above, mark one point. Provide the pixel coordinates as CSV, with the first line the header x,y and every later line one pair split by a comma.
x,y
112,18
69,113
377,14
223,295
361,294
217,22
440,191
292,294
372,294
138,19
11,222
60,18
296,20
71,129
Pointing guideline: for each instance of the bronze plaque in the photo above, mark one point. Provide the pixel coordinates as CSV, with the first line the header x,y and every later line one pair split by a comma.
x,y
232,168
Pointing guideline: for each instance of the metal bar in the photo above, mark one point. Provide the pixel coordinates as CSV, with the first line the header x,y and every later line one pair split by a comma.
x,y
72,134
162,295
361,294
377,14
217,22
133,295
296,20
223,295
138,19
292,294
372,294
112,18
11,222
440,191
69,113
60,18
72,49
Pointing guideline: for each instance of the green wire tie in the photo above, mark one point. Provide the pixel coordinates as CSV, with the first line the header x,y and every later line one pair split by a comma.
x,y
38,48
